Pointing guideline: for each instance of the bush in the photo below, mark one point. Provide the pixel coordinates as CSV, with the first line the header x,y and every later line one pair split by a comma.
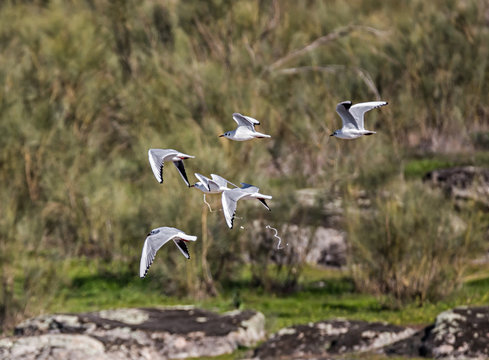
x,y
410,244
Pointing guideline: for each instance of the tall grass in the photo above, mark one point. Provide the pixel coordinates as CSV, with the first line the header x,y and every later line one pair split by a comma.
x,y
88,87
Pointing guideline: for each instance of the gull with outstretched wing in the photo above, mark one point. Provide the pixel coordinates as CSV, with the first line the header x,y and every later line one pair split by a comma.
x,y
159,237
157,158
245,130
352,117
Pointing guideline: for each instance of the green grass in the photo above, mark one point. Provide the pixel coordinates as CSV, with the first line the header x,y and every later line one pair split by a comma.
x,y
325,294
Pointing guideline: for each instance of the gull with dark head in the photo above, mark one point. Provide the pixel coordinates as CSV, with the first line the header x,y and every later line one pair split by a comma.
x,y
159,237
231,197
352,117
245,130
157,158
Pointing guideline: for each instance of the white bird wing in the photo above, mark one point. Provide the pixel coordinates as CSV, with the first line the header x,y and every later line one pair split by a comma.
x,y
156,159
247,121
155,240
252,189
358,110
230,199
204,180
348,120
221,181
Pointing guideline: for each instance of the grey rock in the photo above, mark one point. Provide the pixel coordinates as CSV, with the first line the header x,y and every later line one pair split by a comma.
x,y
145,333
467,182
327,338
461,333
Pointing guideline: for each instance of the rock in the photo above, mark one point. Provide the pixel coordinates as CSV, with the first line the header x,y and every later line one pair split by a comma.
x,y
461,333
326,338
178,332
467,183
313,245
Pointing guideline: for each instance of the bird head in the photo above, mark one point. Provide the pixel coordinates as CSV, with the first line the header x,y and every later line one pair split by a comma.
x,y
226,134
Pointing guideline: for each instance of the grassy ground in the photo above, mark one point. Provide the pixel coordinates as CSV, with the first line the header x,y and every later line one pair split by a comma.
x,y
325,294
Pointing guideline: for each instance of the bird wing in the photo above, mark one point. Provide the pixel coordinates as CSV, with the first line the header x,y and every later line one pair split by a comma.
x,y
156,159
249,188
348,120
204,180
181,170
358,110
247,121
182,247
229,202
221,181
154,241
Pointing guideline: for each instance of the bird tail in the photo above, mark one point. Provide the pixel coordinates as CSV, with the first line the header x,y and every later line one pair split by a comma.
x,y
260,135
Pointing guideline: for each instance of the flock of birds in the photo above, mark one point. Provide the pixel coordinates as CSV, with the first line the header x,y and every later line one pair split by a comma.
x,y
352,117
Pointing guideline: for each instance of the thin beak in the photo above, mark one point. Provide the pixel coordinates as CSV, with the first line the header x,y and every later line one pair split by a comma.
x,y
221,135
331,135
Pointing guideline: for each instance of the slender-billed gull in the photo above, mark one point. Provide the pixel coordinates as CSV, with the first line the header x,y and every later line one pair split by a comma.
x,y
156,239
157,158
231,197
245,130
352,117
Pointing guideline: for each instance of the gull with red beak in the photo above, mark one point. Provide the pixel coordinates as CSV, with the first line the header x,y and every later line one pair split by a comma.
x,y
157,158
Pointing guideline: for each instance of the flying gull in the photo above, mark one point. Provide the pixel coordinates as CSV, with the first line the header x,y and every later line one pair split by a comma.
x,y
231,197
157,158
215,185
352,117
156,239
245,130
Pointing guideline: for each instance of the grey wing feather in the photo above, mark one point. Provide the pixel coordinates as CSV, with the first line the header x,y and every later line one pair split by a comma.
x,y
181,170
249,188
358,110
204,180
242,120
348,120
219,180
156,159
152,244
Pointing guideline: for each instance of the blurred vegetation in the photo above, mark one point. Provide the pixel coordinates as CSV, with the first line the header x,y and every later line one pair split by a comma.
x,y
88,87
412,245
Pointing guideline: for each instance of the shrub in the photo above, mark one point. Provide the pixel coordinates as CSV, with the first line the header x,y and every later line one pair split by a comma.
x,y
410,244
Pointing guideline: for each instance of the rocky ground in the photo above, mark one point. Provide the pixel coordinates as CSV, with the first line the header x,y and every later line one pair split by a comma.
x,y
177,333
461,333
168,333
